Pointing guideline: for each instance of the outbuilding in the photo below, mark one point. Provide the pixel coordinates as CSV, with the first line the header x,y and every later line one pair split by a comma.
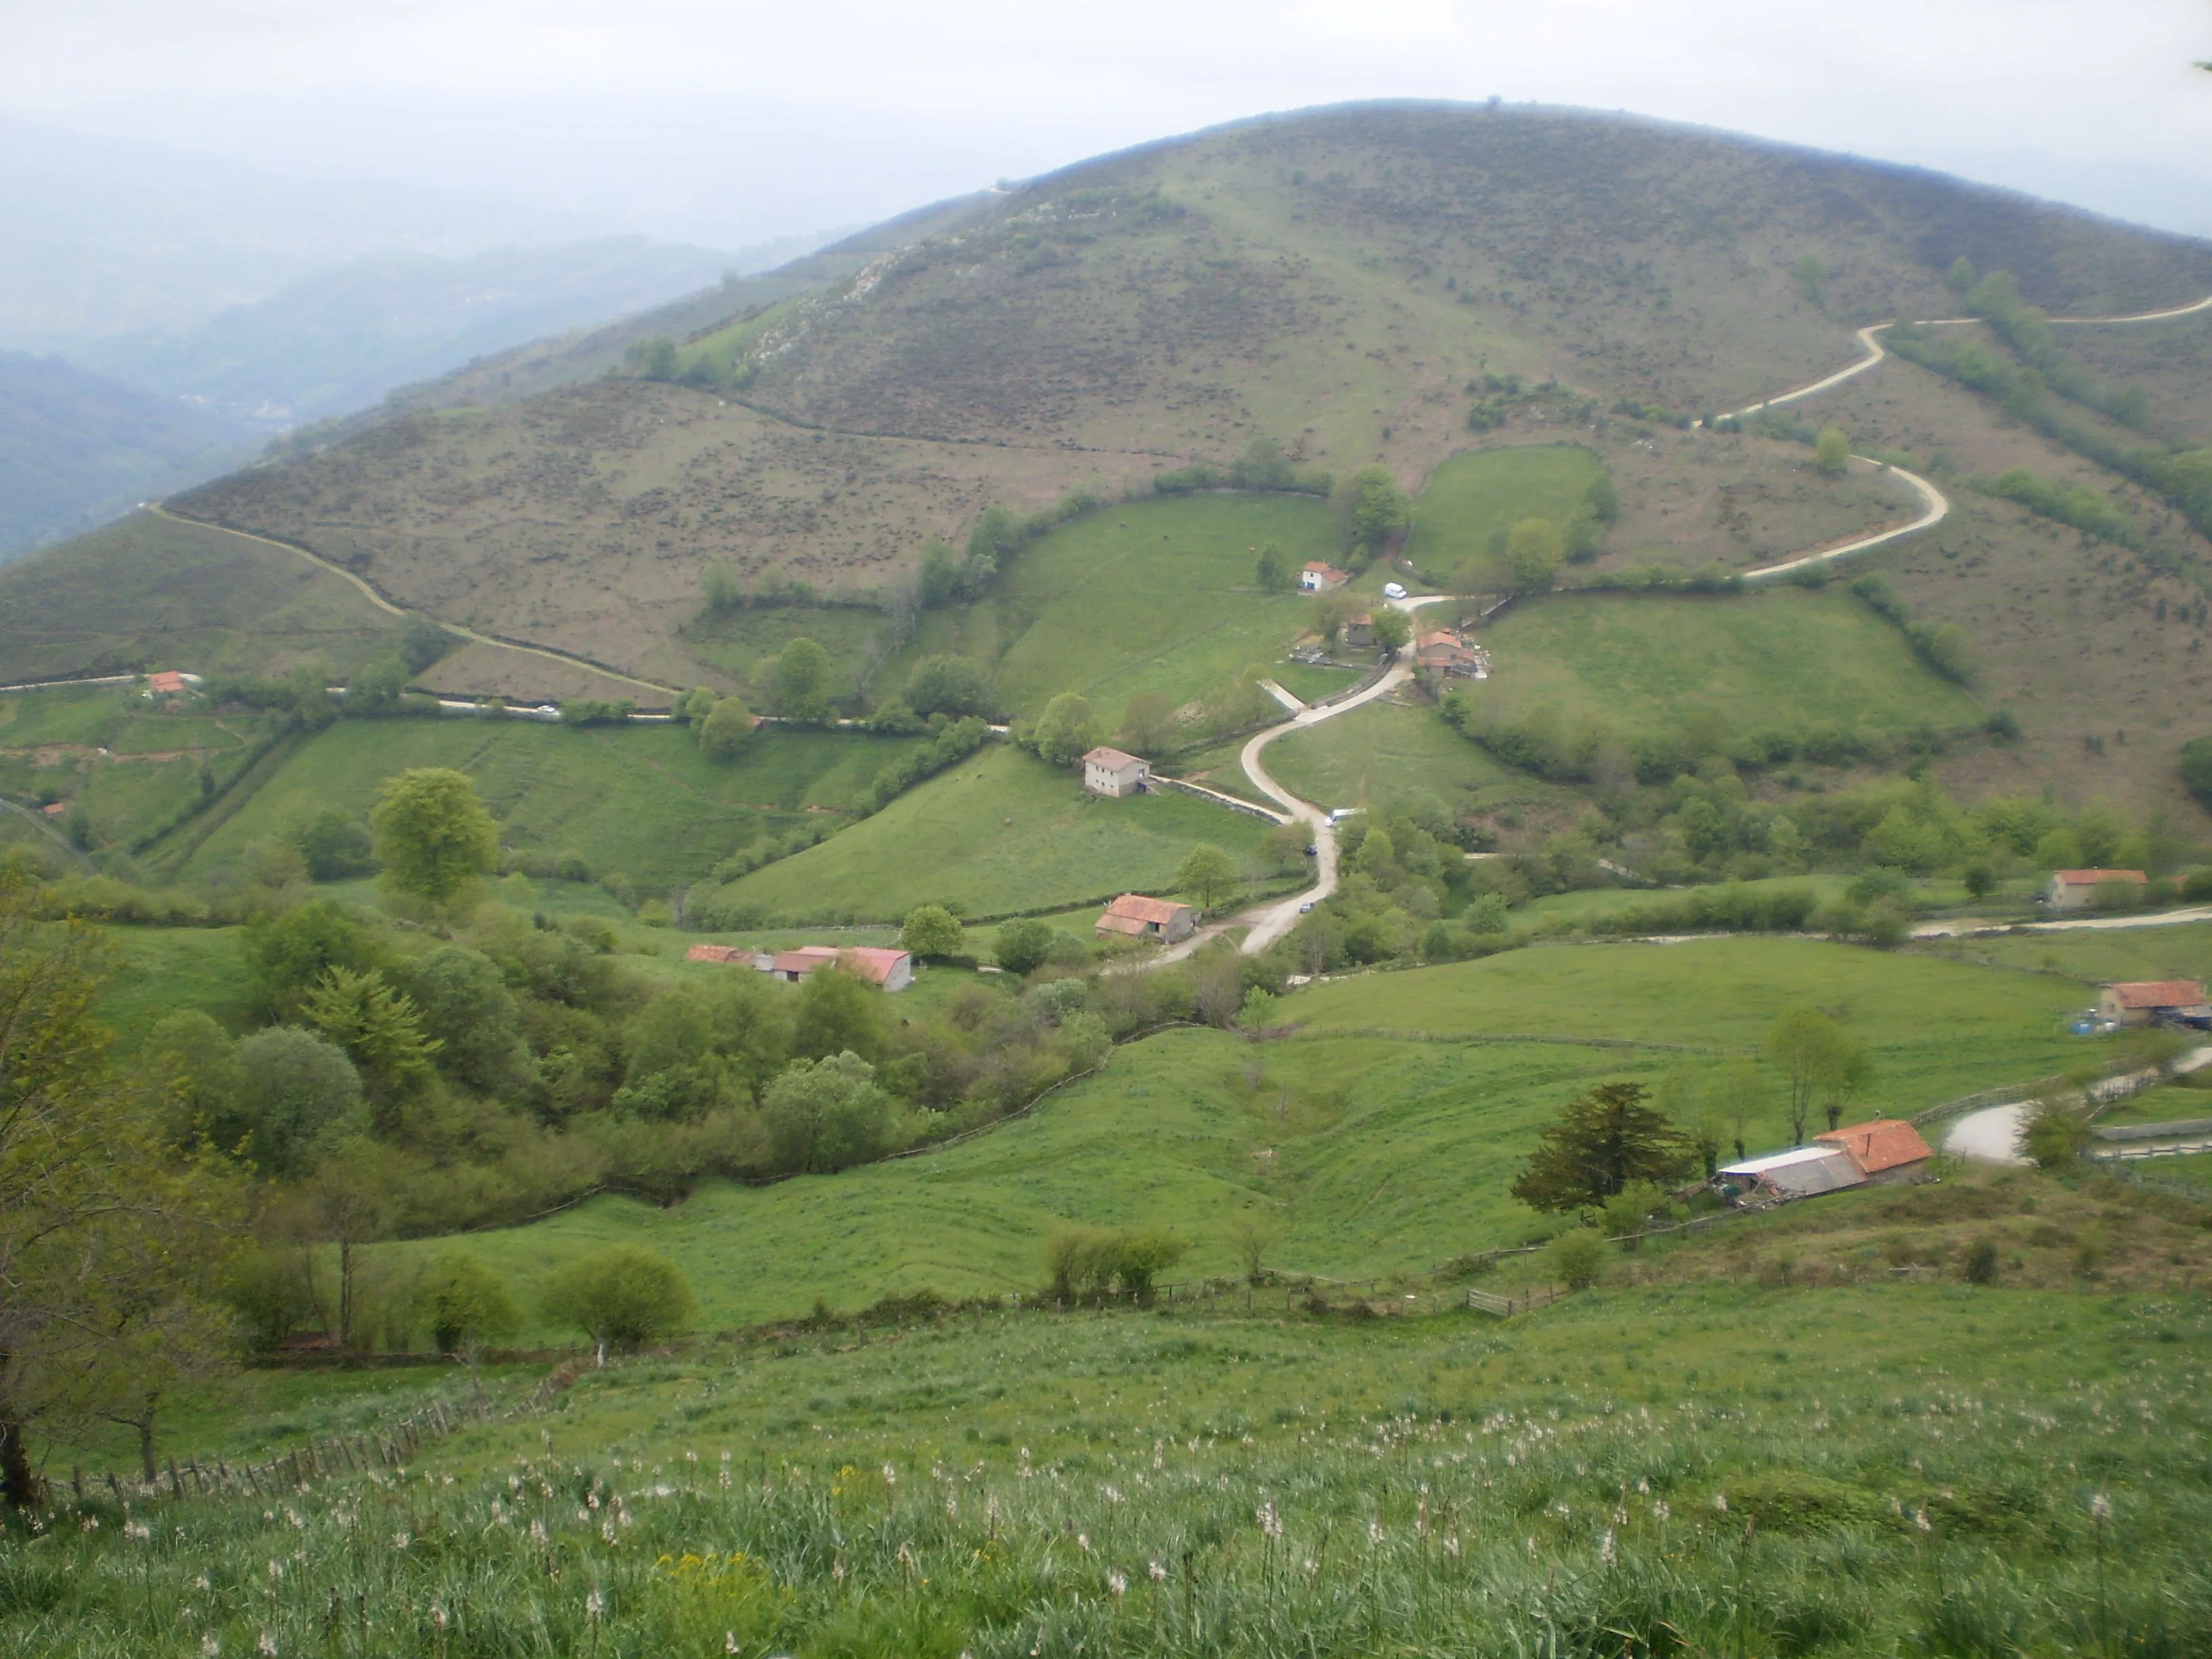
x,y
1801,1172
2076,890
1110,772
1134,916
1318,578
1887,1150
892,970
2143,1002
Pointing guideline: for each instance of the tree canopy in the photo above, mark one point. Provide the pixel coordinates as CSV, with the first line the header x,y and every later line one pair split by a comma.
x,y
1374,508
1603,1140
931,930
1832,450
433,836
828,1114
802,682
622,1296
1066,732
948,684
1208,874
727,728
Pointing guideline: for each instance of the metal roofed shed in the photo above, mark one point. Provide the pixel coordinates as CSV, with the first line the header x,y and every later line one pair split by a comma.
x,y
1801,1172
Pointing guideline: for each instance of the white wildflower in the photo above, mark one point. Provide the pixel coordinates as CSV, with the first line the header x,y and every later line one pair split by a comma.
x,y
203,1584
1605,1551
1112,1494
87,1523
2100,1508
607,1530
210,1646
1117,1581
276,1570
1720,1502
1451,1546
594,1605
1374,1531
266,1646
400,1541
138,1529
538,1532
1271,1522
1160,1574
1920,1521
1659,1510
1083,1542
890,1475
729,1641
438,1614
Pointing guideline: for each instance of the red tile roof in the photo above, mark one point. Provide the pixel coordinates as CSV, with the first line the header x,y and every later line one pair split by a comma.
x,y
2095,878
168,683
1881,1143
2158,994
1135,907
872,962
717,953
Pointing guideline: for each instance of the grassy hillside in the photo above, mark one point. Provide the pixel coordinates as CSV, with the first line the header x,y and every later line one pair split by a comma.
x,y
641,801
1475,497
1149,595
1363,1153
151,593
1385,753
1334,281
1786,661
1001,832
1739,1465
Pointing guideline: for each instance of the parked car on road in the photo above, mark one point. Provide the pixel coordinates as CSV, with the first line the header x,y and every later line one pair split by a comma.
x,y
1394,590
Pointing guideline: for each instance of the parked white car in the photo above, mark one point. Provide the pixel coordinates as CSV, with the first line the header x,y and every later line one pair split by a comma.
x,y
1394,590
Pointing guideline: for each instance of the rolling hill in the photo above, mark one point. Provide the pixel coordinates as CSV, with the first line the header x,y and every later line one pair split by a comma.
x,y
1417,285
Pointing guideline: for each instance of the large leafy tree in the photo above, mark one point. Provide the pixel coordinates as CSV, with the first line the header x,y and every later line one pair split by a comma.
x,y
1819,1059
622,1296
1603,1140
1208,874
1065,732
432,835
727,729
802,682
826,1115
111,1241
1374,508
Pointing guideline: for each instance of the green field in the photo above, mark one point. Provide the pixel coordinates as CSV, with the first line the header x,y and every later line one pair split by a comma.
x,y
1147,596
1369,1153
2097,955
1785,660
1382,753
639,800
1937,1029
998,833
153,971
1472,499
150,593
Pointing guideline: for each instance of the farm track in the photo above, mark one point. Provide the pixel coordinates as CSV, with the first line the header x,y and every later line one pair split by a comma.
x,y
1271,922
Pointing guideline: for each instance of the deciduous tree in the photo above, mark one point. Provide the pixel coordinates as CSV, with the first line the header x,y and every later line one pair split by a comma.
x,y
1832,450
1066,732
931,930
828,1114
1393,628
432,834
802,682
622,1296
1208,874
726,730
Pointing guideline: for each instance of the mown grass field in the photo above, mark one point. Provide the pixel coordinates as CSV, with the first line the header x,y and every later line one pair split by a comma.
x,y
638,800
1786,661
1148,596
1001,832
149,972
1384,754
1475,497
1880,1469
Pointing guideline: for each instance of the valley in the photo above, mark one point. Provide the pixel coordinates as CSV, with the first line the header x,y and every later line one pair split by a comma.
x,y
587,894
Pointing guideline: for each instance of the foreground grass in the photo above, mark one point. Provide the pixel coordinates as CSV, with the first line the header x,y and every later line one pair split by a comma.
x,y
1868,1471
1000,833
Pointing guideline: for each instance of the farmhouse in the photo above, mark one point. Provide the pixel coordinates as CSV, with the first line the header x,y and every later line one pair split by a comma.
x,y
1887,1150
2076,890
1801,1172
2140,1002
1359,631
892,970
1110,772
1134,916
1318,578
1447,653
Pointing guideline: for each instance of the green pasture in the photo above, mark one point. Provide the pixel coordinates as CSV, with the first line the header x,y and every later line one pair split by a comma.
x,y
1384,753
1786,660
1473,498
1937,1029
1148,596
2097,955
1363,1157
744,644
639,800
1001,832
149,972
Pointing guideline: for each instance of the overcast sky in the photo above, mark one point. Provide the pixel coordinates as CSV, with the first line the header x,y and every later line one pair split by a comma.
x,y
730,121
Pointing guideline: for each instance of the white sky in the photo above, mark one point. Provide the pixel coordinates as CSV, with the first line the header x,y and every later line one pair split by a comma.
x,y
730,122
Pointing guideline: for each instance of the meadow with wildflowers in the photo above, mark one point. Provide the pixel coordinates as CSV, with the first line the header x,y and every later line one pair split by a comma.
x,y
1890,1470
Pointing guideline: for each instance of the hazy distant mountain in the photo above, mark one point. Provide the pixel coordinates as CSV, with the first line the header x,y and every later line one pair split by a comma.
x,y
77,448
100,237
336,341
